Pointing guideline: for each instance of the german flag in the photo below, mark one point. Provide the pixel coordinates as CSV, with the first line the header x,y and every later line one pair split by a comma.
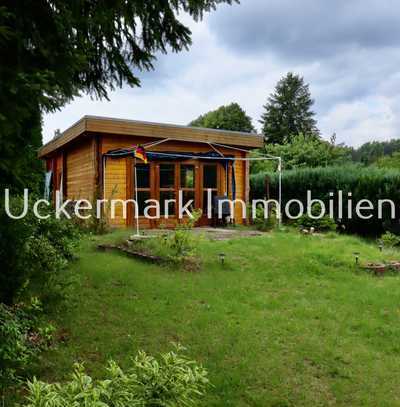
x,y
140,153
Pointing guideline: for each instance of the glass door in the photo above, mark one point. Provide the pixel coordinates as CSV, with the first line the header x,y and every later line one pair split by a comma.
x,y
210,182
167,189
188,184
193,179
143,186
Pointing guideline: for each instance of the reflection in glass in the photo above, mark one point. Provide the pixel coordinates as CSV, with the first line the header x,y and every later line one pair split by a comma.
x,y
205,200
186,197
142,196
209,176
164,195
143,175
167,175
187,176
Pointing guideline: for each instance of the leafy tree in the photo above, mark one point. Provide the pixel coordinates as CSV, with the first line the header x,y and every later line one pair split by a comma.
x,y
288,111
303,152
372,151
389,161
53,50
230,117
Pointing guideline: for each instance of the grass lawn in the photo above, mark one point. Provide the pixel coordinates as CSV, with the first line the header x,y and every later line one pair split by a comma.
x,y
287,321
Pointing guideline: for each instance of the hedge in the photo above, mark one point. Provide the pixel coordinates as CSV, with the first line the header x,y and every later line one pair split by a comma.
x,y
363,182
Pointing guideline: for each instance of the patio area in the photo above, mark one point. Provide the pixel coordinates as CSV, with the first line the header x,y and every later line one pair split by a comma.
x,y
209,233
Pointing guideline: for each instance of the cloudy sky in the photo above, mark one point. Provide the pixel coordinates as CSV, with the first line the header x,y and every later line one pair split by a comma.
x,y
347,50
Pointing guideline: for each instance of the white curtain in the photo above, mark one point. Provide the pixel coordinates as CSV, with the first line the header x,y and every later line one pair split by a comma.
x,y
47,184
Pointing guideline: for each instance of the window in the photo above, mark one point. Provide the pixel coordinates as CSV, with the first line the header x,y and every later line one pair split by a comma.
x,y
187,181
210,181
172,178
187,176
143,175
206,200
143,186
186,197
210,176
142,197
167,188
166,196
167,176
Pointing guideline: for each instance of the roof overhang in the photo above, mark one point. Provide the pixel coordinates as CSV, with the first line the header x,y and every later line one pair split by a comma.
x,y
105,125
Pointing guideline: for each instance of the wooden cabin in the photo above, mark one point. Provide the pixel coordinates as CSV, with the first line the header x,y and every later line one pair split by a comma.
x,y
82,167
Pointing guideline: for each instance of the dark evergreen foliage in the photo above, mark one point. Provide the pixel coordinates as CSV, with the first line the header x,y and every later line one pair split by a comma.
x,y
51,51
363,182
32,250
288,111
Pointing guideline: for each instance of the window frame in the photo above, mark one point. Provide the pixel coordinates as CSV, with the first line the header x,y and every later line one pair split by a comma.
x,y
198,189
203,189
141,189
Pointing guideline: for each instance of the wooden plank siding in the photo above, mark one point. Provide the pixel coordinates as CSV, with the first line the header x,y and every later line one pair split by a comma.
x,y
115,187
240,189
80,159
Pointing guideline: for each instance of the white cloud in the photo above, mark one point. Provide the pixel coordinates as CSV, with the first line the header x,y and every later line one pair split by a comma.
x,y
355,89
362,121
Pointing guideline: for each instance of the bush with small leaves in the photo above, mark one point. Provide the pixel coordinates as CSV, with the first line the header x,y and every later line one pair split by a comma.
x,y
32,250
321,224
181,243
263,223
22,335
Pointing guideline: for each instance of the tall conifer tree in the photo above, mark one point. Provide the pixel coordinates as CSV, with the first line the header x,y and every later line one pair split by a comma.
x,y
288,111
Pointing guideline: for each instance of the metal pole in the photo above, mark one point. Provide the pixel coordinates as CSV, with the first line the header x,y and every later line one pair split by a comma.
x,y
280,190
136,200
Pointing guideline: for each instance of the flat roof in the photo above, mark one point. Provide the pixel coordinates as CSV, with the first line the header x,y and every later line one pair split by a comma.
x,y
114,126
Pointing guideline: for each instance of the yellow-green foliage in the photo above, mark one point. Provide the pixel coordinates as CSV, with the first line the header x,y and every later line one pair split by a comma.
x,y
170,380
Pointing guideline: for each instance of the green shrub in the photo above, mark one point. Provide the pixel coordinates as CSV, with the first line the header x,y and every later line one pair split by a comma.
x,y
22,335
363,182
261,222
302,151
170,380
390,239
94,224
181,243
323,224
32,250
177,247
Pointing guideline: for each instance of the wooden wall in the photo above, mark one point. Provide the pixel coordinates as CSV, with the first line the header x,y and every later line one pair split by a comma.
x,y
115,187
240,189
80,163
